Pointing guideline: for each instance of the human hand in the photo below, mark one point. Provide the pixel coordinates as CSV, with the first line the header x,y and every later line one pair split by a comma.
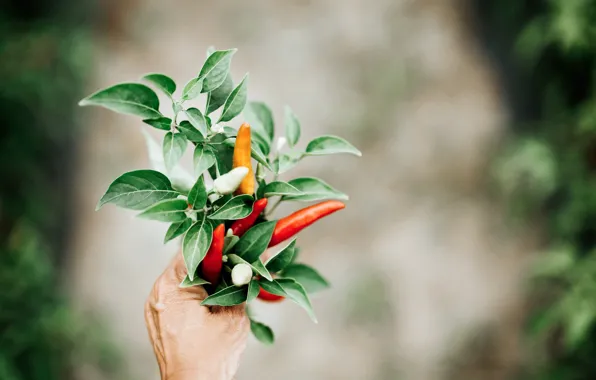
x,y
193,342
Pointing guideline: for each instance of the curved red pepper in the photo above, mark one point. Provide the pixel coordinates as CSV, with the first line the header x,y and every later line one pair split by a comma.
x,y
240,226
269,297
296,222
212,263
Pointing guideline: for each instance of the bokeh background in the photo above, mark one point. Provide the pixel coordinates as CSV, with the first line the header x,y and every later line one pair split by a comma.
x,y
465,252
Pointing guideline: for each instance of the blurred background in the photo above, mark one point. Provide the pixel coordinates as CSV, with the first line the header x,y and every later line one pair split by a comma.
x,y
467,247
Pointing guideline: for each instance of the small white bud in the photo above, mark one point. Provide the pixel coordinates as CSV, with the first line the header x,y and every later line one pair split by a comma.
x,y
281,142
241,274
217,128
229,232
225,258
229,182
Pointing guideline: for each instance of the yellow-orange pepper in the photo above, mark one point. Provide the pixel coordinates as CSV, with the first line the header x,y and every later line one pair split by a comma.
x,y
242,158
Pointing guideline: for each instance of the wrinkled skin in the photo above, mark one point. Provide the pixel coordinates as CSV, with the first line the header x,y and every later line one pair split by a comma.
x,y
193,342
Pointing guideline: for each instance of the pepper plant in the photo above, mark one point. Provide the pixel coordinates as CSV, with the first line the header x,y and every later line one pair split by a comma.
x,y
221,211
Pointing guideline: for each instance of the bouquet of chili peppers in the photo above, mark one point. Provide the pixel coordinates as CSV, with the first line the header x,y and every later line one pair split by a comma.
x,y
220,211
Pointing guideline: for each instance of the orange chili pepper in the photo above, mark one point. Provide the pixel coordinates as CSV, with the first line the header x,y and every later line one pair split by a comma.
x,y
242,157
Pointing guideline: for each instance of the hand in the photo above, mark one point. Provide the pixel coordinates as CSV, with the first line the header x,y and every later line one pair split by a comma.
x,y
193,342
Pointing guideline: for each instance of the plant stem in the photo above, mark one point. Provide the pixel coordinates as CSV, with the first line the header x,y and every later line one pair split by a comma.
x,y
273,207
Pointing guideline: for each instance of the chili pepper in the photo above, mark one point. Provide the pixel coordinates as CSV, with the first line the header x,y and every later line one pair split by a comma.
x,y
242,158
212,263
240,226
227,183
269,297
296,222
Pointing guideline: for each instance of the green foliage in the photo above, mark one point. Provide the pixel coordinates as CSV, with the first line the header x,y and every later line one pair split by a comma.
x,y
548,171
230,296
282,259
194,206
262,332
45,56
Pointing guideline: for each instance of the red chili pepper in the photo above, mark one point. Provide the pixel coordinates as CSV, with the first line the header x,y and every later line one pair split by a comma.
x,y
212,263
296,222
269,297
240,226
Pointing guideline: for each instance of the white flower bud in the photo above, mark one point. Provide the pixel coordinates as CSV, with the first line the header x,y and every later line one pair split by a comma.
x,y
229,182
281,142
229,232
241,274
217,128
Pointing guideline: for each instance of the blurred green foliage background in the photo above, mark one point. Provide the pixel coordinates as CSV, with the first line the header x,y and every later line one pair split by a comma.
x,y
44,52
546,53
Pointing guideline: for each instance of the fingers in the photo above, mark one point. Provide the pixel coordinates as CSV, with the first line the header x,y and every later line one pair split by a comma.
x,y
152,329
178,267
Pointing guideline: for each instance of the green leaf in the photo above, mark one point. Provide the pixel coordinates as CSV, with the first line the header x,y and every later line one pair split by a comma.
x,y
260,117
169,210
259,157
203,159
191,133
236,208
272,287
223,283
163,123
296,293
138,190
216,69
230,132
292,127
314,189
280,188
229,243
210,50
223,152
255,241
127,98
195,245
235,102
177,229
262,332
257,266
163,82
261,143
253,290
307,276
217,97
282,259
197,197
187,283
229,296
197,120
181,180
286,162
174,146
324,145
260,268
192,89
